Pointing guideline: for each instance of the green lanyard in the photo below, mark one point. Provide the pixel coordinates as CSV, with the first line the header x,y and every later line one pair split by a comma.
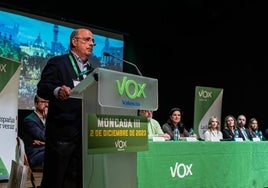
x,y
78,72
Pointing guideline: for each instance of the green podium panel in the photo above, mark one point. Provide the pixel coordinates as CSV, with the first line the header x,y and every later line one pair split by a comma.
x,y
117,96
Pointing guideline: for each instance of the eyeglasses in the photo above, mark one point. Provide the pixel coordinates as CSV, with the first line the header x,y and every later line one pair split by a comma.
x,y
86,40
146,111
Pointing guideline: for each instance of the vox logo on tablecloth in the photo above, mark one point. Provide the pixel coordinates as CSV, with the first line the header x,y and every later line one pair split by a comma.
x,y
181,170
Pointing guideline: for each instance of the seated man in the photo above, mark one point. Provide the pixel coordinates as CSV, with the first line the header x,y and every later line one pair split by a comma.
x,y
33,132
243,132
154,128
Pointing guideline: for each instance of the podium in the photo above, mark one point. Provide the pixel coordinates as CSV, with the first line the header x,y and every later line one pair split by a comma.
x,y
110,155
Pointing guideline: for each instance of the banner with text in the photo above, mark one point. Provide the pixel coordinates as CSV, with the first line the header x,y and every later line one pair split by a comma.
x,y
116,133
9,85
208,102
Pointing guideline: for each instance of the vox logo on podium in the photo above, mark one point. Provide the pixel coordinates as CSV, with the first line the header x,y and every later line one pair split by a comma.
x,y
131,88
121,145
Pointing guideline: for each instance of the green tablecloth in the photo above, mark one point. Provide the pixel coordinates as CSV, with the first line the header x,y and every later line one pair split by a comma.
x,y
203,165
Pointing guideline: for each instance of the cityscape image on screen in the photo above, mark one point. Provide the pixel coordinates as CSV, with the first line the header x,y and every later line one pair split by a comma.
x,y
32,40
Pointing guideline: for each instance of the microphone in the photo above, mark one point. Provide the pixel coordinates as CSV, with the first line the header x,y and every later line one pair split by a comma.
x,y
132,64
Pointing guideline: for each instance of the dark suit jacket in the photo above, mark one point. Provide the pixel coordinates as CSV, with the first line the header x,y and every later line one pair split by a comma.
x,y
227,134
63,155
64,117
33,129
241,134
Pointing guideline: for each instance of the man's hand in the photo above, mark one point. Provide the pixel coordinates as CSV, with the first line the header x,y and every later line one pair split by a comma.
x,y
165,135
64,92
45,112
38,142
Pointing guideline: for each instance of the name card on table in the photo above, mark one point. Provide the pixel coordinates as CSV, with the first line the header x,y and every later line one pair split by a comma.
x,y
215,139
239,139
158,139
191,139
257,139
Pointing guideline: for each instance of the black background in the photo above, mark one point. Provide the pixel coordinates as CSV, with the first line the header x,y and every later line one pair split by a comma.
x,y
184,44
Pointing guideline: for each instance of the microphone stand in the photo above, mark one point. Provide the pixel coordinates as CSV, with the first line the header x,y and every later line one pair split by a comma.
x,y
132,64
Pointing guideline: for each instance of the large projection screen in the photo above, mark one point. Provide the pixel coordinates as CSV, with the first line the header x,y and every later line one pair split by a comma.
x,y
32,40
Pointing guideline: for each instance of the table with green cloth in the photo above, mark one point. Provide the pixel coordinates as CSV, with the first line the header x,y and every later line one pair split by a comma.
x,y
225,164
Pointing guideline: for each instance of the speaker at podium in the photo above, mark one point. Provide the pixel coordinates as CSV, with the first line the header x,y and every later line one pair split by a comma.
x,y
113,133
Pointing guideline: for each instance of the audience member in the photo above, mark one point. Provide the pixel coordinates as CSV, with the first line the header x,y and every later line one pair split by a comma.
x,y
33,132
229,127
175,120
63,151
154,128
213,133
254,129
243,132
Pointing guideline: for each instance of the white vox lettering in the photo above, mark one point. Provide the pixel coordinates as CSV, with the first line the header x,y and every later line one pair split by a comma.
x,y
181,170
3,67
120,144
205,94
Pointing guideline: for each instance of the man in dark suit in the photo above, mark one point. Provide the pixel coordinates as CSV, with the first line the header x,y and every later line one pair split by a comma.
x,y
63,152
33,132
243,132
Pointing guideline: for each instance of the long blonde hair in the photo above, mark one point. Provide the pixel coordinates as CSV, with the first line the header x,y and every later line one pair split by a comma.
x,y
212,118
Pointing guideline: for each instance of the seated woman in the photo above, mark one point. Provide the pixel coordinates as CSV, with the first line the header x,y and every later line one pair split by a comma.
x,y
229,127
254,129
213,133
175,121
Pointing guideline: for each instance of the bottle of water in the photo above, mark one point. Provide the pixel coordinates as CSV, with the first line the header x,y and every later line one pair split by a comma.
x,y
191,132
236,135
260,135
256,133
176,134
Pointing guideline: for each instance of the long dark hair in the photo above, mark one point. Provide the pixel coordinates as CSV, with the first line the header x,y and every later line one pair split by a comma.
x,y
180,125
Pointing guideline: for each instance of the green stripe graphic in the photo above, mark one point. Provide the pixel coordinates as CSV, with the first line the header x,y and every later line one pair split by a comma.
x,y
8,68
